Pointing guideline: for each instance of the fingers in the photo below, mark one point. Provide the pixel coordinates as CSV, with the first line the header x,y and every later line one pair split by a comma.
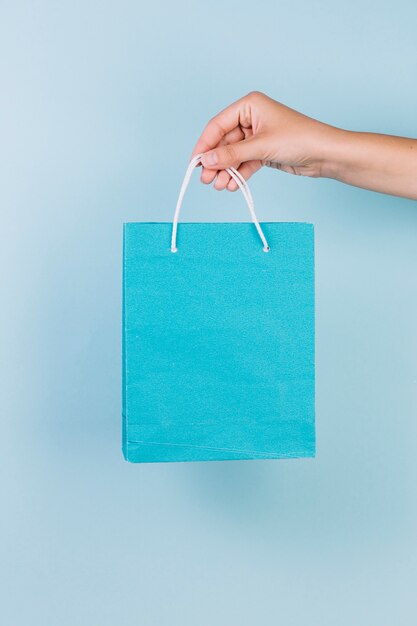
x,y
218,127
246,155
233,154
207,176
223,180
246,170
228,141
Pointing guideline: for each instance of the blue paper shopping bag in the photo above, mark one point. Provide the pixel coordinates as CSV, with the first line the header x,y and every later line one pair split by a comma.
x,y
218,339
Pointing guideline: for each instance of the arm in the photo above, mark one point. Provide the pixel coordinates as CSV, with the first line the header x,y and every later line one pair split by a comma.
x,y
378,162
257,130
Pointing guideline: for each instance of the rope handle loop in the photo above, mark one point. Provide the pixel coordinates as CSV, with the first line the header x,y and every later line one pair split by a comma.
x,y
241,183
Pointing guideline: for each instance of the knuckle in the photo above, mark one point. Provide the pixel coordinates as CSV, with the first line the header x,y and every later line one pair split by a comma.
x,y
255,96
219,184
214,124
230,153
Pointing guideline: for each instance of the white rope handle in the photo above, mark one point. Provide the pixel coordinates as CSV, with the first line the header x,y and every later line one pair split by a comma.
x,y
241,183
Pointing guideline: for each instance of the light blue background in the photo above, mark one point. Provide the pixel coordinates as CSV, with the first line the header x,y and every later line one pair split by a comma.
x,y
100,105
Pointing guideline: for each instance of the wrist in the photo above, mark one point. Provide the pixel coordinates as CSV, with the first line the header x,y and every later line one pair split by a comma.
x,y
337,154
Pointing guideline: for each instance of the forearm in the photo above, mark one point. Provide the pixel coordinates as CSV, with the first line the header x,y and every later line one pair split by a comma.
x,y
382,163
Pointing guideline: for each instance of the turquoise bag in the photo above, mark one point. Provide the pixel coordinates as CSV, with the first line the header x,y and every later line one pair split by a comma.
x,y
218,339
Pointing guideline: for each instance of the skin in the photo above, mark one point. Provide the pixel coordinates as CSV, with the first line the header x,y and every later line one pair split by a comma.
x,y
257,130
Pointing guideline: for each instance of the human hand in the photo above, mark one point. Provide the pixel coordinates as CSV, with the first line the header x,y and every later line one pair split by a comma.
x,y
257,130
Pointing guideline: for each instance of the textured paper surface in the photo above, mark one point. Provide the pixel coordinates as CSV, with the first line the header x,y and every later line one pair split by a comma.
x,y
218,342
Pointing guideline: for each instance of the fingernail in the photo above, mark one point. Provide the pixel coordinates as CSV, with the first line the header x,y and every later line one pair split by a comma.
x,y
209,159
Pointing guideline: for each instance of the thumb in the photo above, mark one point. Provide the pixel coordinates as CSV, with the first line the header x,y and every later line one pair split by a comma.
x,y
232,154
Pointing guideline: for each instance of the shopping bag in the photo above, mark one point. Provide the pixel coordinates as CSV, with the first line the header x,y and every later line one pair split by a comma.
x,y
218,339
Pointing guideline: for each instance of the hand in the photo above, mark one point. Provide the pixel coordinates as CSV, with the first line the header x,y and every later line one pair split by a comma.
x,y
257,130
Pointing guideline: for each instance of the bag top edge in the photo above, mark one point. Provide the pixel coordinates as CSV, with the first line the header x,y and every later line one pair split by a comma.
x,y
209,223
